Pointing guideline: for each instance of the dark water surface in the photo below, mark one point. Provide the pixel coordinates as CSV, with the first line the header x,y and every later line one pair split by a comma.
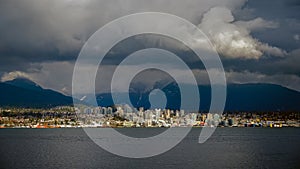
x,y
228,148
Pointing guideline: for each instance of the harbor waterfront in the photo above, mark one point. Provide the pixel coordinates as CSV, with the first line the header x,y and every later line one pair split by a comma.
x,y
125,116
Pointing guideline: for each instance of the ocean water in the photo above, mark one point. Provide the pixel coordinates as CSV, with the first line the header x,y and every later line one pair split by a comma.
x,y
228,148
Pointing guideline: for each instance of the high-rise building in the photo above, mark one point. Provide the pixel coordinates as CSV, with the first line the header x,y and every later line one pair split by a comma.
x,y
109,110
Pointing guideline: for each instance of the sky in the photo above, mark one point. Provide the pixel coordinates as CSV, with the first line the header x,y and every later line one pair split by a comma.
x,y
258,41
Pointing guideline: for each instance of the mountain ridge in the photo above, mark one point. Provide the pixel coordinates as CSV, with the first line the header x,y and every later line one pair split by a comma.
x,y
22,92
240,97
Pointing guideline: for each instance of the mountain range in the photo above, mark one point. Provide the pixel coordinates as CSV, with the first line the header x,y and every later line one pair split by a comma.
x,y
22,92
240,97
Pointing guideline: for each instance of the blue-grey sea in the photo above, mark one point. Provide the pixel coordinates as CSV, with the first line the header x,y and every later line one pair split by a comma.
x,y
227,148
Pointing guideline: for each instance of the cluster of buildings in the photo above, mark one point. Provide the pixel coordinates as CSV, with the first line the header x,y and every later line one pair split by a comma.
x,y
38,118
125,116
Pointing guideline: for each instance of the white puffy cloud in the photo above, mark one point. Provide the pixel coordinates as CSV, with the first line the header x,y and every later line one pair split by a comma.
x,y
271,50
13,75
233,38
257,24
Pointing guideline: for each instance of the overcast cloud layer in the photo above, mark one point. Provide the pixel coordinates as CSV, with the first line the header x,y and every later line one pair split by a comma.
x,y
257,41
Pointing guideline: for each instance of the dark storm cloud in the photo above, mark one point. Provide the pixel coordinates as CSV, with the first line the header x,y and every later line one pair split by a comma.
x,y
286,13
37,31
33,31
268,66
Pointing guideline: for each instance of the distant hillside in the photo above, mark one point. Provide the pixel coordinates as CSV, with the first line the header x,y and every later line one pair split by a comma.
x,y
25,84
258,97
240,97
25,93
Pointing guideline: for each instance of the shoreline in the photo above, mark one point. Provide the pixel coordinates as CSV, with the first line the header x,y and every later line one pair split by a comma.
x,y
78,127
